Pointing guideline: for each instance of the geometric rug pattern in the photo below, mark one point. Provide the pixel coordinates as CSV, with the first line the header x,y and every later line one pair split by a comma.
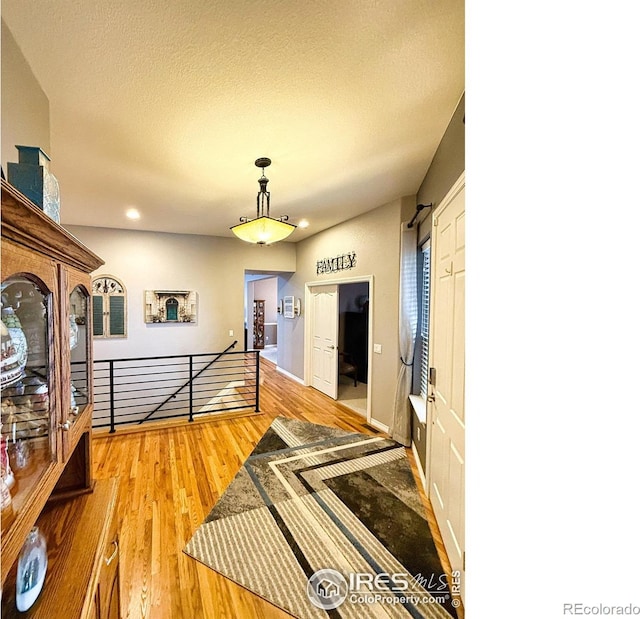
x,y
323,522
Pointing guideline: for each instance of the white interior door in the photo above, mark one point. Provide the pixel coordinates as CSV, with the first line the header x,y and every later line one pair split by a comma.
x,y
447,459
324,334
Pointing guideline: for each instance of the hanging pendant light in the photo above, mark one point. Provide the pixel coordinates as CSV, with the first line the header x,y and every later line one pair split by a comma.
x,y
263,230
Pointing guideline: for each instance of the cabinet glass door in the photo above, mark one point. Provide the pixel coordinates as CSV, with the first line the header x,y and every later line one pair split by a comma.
x,y
79,353
26,446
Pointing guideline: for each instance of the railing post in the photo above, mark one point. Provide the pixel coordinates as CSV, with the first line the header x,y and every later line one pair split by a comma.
x,y
112,406
190,388
257,353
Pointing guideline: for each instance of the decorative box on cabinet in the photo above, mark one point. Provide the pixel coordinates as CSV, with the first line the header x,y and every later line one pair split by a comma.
x,y
47,390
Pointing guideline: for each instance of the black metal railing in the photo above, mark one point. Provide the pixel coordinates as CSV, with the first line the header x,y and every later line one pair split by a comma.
x,y
137,390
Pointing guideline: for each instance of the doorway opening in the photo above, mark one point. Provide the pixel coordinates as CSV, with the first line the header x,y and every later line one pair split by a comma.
x,y
261,313
338,340
353,345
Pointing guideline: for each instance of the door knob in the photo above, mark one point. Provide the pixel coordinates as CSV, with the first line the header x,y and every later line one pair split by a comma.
x,y
65,426
332,347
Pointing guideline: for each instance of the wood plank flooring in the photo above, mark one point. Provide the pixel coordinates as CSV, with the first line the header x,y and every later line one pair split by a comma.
x,y
171,477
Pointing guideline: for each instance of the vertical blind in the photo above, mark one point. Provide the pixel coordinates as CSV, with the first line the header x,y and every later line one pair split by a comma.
x,y
424,320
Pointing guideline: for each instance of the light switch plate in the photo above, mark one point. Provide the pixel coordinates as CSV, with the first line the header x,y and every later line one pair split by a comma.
x,y
377,348
230,332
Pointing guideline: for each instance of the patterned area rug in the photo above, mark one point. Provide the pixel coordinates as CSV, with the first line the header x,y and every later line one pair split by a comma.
x,y
323,522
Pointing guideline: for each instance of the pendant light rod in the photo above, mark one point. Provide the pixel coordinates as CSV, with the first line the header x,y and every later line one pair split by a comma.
x,y
263,194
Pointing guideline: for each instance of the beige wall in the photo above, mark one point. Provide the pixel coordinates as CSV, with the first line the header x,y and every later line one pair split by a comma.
x,y
267,289
375,237
25,107
445,169
212,266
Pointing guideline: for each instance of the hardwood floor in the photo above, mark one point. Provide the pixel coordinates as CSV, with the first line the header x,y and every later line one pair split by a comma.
x,y
170,478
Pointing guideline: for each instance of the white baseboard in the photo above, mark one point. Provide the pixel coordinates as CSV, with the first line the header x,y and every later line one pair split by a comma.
x,y
289,375
423,477
378,426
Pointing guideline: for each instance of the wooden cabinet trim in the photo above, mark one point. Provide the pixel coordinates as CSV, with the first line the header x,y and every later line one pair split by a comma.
x,y
77,533
24,223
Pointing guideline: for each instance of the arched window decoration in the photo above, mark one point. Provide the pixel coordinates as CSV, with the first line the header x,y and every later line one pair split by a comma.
x,y
109,307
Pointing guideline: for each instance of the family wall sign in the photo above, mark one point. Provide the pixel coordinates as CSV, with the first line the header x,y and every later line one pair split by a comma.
x,y
339,263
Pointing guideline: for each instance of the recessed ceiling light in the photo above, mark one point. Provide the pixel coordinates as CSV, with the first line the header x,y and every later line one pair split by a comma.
x,y
133,213
303,223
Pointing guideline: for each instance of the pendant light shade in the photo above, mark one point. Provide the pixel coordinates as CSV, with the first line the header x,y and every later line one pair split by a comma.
x,y
263,230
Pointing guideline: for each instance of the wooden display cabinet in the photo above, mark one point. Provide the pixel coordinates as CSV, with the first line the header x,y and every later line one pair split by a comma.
x,y
47,396
258,324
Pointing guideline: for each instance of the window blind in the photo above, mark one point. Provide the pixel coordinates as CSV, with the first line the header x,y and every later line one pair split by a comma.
x,y
424,320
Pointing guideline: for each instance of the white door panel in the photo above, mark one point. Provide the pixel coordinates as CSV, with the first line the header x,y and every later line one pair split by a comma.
x,y
324,334
446,457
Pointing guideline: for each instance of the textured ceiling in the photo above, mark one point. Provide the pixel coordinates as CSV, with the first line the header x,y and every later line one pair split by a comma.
x,y
165,105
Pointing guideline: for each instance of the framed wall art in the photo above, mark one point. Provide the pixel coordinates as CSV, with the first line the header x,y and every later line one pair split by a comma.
x,y
179,306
